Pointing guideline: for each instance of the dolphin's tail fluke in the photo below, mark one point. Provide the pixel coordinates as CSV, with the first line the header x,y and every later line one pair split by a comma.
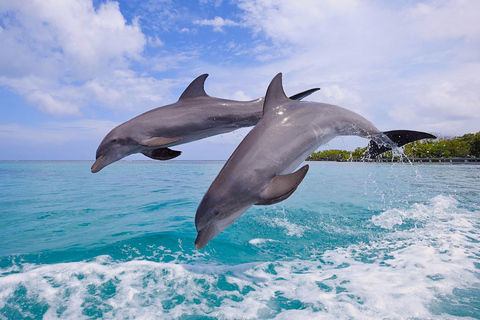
x,y
379,144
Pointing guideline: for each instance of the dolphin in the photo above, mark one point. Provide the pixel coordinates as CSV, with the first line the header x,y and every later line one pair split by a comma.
x,y
260,170
193,117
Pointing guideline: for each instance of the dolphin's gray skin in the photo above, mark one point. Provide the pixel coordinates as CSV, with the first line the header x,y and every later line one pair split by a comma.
x,y
259,172
193,117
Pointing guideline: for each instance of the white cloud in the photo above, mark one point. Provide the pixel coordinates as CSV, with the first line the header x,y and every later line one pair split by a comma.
x,y
298,21
447,19
447,101
350,34
121,90
126,91
218,23
168,61
47,94
66,56
337,95
155,42
241,96
50,105
416,57
455,101
216,3
72,35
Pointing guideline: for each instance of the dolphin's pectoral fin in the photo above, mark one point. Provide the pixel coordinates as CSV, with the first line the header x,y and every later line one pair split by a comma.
x,y
304,94
281,187
162,154
399,137
158,141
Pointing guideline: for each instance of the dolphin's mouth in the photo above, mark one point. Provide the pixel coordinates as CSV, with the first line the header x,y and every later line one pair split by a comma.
x,y
97,165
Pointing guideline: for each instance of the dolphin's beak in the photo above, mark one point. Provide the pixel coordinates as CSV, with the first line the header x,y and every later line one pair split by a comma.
x,y
97,166
198,242
205,235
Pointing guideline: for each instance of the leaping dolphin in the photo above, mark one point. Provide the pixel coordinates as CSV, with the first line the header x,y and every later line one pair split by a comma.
x,y
259,172
193,117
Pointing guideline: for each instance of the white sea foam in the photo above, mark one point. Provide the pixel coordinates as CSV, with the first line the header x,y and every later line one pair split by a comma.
x,y
291,228
417,212
407,273
281,221
259,242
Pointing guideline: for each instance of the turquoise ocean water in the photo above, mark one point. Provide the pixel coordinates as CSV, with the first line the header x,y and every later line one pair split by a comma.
x,y
355,241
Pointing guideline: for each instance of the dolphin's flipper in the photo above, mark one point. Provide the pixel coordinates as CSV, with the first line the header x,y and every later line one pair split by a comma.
x,y
281,187
158,141
399,137
304,94
196,88
162,154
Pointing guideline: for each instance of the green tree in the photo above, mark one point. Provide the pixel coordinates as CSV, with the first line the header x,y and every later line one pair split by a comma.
x,y
473,141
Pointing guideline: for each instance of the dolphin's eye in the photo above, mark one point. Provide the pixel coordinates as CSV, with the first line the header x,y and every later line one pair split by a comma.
x,y
113,140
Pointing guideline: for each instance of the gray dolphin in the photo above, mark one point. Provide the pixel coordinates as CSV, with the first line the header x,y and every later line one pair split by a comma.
x,y
193,117
259,172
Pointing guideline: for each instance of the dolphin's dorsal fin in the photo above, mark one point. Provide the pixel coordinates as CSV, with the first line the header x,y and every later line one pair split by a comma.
x,y
281,187
196,88
275,95
158,141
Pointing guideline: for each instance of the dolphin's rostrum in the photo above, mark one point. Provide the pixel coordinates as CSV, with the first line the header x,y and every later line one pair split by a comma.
x,y
259,172
193,117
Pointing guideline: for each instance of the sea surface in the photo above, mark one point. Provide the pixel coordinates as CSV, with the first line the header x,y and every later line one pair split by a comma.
x,y
355,241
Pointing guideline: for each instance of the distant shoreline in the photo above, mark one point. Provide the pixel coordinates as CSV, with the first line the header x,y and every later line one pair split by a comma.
x,y
415,160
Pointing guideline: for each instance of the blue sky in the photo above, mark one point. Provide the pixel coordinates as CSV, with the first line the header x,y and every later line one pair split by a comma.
x,y
72,70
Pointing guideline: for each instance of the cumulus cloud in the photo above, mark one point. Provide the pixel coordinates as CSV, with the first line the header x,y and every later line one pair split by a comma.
x,y
65,56
69,34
